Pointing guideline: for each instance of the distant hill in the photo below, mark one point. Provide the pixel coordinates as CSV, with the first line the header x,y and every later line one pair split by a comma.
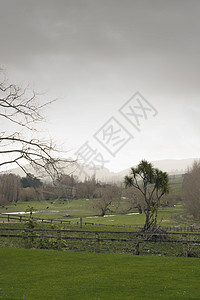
x,y
79,170
171,166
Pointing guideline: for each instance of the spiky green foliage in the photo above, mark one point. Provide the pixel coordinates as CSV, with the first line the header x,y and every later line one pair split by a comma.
x,y
153,184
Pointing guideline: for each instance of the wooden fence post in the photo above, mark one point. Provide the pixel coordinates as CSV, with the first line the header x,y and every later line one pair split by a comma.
x,y
185,249
97,243
26,239
81,222
59,240
137,249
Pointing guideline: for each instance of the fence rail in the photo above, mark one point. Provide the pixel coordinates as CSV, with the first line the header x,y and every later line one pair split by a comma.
x,y
9,218
171,243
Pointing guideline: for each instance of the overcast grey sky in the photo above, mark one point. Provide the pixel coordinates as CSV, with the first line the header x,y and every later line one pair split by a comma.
x,y
94,55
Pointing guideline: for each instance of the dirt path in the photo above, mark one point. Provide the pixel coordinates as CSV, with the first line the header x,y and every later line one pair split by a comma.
x,y
178,218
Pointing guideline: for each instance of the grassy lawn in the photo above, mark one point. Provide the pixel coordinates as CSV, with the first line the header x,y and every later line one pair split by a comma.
x,y
57,207
136,220
77,208
44,274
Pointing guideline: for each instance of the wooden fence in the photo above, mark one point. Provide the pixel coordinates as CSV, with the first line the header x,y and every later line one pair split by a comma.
x,y
9,218
19,218
173,243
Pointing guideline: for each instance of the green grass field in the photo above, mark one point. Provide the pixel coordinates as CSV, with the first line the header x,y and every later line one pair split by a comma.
x,y
48,274
57,209
77,208
51,274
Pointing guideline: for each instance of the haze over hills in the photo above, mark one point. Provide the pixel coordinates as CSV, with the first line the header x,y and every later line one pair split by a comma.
x,y
171,166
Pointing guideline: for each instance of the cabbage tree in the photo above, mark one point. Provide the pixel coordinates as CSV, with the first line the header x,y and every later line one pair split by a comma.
x,y
153,184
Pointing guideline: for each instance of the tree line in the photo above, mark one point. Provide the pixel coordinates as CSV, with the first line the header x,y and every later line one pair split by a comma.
x,y
103,197
145,190
191,187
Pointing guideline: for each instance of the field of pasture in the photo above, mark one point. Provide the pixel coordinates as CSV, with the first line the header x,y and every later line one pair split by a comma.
x,y
68,274
48,274
73,210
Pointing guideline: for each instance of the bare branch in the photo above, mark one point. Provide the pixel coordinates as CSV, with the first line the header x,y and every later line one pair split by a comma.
x,y
20,107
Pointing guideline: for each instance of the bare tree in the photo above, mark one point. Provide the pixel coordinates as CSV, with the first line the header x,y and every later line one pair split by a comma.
x,y
65,185
20,112
133,199
87,188
10,188
105,196
191,187
31,194
170,199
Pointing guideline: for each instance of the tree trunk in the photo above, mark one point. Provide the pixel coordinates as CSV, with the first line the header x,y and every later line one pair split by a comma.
x,y
147,221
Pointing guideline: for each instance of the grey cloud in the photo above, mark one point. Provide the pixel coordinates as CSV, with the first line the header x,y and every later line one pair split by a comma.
x,y
100,28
